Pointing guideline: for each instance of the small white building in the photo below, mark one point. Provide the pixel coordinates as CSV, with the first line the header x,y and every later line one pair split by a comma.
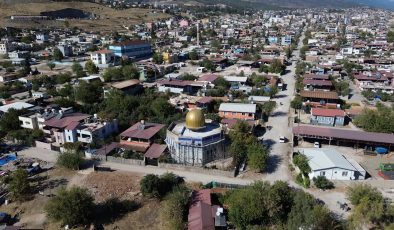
x,y
39,95
102,58
331,164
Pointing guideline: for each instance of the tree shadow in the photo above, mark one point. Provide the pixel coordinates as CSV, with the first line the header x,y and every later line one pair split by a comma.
x,y
113,209
268,143
44,184
278,114
273,163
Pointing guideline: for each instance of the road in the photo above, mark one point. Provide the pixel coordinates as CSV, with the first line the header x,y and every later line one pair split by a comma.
x,y
280,121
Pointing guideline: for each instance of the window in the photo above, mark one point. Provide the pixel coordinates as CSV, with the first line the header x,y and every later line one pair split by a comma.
x,y
243,114
234,113
344,173
250,114
322,173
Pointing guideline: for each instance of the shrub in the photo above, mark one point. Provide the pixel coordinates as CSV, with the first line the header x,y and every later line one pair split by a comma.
x,y
323,183
70,160
19,185
72,207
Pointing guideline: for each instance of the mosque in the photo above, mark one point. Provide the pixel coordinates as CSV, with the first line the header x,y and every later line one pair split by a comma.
x,y
195,142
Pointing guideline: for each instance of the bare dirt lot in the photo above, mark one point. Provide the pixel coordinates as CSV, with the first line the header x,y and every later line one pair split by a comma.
x,y
105,18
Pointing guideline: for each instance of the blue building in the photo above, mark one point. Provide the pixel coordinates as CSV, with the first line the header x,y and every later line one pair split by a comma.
x,y
327,117
132,49
272,40
286,40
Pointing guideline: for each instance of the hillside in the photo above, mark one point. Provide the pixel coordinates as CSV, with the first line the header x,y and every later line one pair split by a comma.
x,y
106,19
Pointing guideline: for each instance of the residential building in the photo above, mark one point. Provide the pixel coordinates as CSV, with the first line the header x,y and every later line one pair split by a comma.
x,y
203,214
320,98
237,111
132,49
179,86
329,117
332,165
140,136
128,87
195,142
103,58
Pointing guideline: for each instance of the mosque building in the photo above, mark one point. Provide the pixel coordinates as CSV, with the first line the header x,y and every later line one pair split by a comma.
x,y
195,142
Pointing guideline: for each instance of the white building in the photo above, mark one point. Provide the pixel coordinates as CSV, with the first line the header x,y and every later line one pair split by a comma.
x,y
102,58
329,163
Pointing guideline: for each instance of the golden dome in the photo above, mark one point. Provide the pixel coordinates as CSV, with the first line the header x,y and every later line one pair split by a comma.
x,y
195,119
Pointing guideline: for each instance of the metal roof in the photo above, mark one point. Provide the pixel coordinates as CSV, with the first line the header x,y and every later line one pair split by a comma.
x,y
238,107
326,158
345,134
319,94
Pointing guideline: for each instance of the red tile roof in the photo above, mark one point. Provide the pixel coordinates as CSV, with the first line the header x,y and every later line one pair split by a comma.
x,y
155,151
327,112
65,120
146,132
200,211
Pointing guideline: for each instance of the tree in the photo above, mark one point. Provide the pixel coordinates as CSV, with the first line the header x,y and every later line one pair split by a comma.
x,y
88,93
189,77
277,67
296,103
208,64
113,74
150,185
359,191
77,69
90,67
70,160
390,36
57,54
71,207
302,162
19,185
130,72
257,157
193,55
376,121
157,58
323,183
51,65
175,208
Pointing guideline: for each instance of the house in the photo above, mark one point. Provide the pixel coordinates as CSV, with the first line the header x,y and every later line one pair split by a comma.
x,y
179,86
329,117
258,99
203,214
16,105
140,136
128,87
73,127
66,50
37,94
320,98
7,77
331,164
132,49
102,58
237,111
313,84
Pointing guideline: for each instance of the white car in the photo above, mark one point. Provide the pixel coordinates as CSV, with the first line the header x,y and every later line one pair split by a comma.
x,y
282,139
316,144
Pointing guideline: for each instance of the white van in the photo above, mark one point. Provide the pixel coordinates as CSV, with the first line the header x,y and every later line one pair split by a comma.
x,y
201,69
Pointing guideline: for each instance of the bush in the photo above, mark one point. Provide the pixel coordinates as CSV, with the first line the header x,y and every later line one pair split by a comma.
x,y
70,160
323,183
175,208
155,186
72,207
19,186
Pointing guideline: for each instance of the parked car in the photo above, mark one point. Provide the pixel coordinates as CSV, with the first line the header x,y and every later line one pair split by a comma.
x,y
4,218
282,139
316,144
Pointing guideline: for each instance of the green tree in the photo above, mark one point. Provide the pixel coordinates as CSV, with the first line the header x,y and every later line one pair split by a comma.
x,y
51,65
113,74
158,58
19,186
70,160
72,207
175,208
296,103
277,67
10,121
193,55
57,54
77,69
257,157
208,64
88,93
150,185
130,72
90,67
302,162
390,36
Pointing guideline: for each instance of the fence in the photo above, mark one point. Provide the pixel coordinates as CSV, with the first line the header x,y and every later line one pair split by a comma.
x,y
125,161
214,172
